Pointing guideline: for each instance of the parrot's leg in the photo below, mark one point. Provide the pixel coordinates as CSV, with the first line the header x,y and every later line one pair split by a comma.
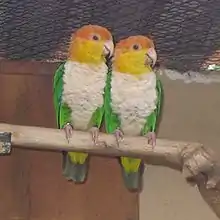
x,y
132,169
151,136
68,129
95,134
118,135
73,169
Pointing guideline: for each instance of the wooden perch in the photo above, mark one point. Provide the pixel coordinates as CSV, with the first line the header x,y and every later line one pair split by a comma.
x,y
196,162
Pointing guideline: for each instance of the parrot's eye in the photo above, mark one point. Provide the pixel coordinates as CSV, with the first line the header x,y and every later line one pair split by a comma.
x,y
95,37
136,47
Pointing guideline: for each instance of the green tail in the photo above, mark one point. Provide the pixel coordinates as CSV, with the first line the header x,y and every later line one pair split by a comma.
x,y
132,177
74,171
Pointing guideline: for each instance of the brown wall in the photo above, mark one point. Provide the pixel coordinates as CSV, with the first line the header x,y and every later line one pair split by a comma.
x,y
31,186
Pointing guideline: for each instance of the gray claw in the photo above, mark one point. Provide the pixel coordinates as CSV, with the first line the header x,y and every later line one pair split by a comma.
x,y
152,138
95,134
68,129
119,136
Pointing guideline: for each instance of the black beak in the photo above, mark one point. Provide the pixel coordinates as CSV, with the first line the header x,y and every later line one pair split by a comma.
x,y
149,61
108,54
108,57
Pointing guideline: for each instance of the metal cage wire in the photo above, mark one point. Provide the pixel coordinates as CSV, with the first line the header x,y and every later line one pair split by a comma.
x,y
186,32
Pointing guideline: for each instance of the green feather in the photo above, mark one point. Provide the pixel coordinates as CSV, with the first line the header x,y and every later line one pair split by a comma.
x,y
153,119
97,117
112,121
63,112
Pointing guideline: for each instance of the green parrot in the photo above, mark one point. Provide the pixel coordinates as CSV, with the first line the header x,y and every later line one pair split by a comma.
x,y
78,92
133,100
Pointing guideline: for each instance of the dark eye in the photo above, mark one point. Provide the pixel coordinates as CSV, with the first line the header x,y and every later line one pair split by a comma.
x,y
95,37
136,47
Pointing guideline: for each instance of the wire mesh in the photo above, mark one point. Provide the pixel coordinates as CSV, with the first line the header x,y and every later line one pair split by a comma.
x,y
186,32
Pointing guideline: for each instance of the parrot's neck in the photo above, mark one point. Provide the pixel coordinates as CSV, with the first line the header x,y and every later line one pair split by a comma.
x,y
86,52
132,63
130,69
86,59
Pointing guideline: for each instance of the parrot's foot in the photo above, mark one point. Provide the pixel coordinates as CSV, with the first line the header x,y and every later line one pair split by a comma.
x,y
68,129
119,135
151,136
95,135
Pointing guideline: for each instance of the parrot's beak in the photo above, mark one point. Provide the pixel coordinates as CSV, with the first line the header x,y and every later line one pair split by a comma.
x,y
108,49
151,57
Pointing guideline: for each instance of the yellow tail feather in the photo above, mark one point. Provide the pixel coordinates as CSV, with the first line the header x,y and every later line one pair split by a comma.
x,y
77,157
130,164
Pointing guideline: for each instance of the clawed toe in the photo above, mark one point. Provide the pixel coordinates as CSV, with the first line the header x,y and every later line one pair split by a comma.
x,y
68,129
151,138
119,135
95,134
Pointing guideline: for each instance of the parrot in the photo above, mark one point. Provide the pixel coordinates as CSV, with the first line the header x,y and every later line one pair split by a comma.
x,y
133,100
78,92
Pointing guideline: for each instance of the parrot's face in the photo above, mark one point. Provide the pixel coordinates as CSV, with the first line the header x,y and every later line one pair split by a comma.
x,y
91,44
135,55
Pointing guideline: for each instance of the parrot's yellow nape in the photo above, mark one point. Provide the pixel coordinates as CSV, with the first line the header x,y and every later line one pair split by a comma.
x,y
86,51
132,62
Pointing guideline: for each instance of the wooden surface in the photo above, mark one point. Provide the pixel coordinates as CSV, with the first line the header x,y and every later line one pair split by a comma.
x,y
32,186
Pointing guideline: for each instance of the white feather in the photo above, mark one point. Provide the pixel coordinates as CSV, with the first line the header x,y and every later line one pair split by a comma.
x,y
83,90
133,99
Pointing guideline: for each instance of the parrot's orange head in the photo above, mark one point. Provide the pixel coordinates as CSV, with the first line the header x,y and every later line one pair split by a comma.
x,y
91,44
135,55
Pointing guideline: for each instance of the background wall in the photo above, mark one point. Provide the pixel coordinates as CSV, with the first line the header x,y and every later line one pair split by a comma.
x,y
31,183
191,114
32,187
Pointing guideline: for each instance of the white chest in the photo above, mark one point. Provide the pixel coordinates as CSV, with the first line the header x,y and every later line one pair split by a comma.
x,y
83,91
133,100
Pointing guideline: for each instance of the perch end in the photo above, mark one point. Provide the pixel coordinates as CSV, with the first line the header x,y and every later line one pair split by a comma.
x,y
5,143
214,177
197,161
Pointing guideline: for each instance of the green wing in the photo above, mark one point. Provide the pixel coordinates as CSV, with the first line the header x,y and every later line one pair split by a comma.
x,y
112,121
63,112
154,118
96,120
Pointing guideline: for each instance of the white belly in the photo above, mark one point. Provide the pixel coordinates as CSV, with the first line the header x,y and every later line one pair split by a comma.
x,y
133,100
83,91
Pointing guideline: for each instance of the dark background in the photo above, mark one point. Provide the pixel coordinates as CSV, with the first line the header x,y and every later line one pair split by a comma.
x,y
186,32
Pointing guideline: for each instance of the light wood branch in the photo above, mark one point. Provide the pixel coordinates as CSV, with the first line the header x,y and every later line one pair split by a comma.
x,y
197,163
